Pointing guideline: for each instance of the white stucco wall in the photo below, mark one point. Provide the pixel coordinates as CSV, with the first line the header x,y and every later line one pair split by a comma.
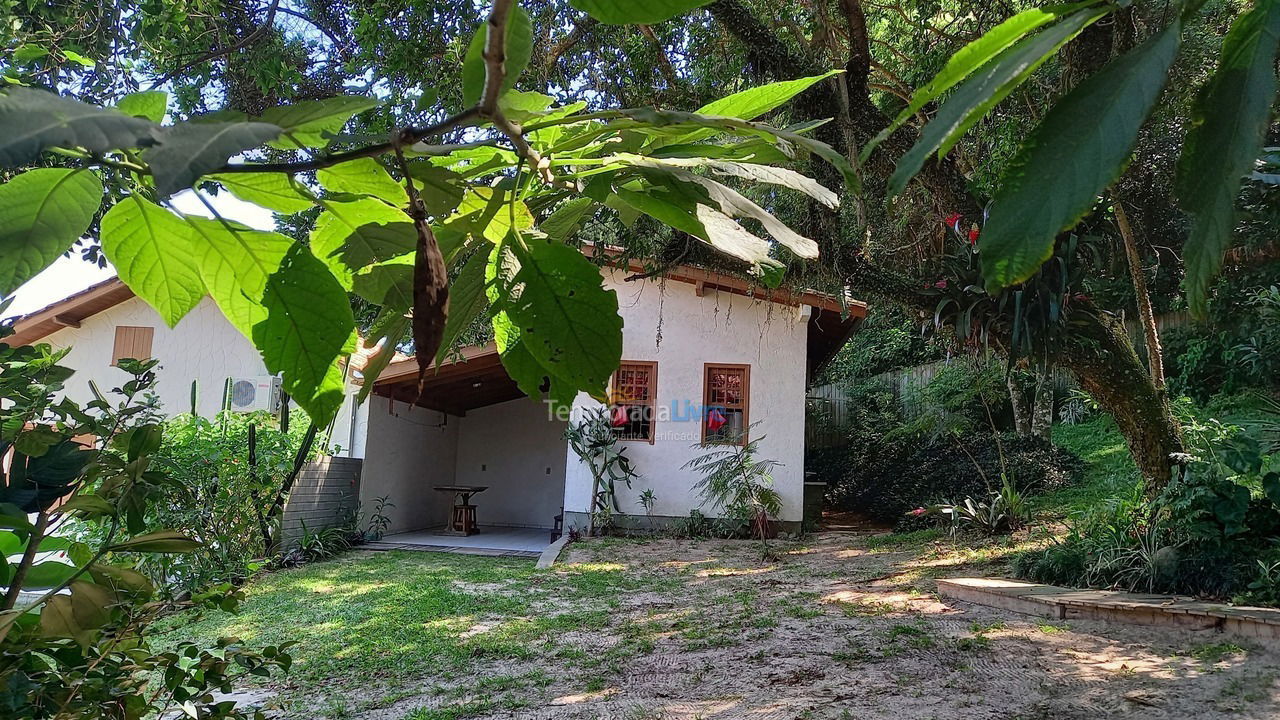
x,y
719,327
203,347
408,451
518,452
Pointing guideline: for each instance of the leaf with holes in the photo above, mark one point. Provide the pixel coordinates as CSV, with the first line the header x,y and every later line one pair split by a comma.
x,y
519,47
306,329
1078,149
35,120
1229,124
42,213
154,253
186,151
567,321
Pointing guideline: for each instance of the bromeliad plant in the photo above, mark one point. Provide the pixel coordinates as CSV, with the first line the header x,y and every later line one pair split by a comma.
x,y
487,194
74,614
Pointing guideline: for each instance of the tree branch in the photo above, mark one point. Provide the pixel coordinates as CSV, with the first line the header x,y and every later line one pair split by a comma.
x,y
244,42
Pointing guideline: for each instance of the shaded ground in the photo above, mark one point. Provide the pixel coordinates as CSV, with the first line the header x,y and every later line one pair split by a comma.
x,y
844,625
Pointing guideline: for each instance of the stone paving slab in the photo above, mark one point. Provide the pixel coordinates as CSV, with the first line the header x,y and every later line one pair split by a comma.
x,y
1114,606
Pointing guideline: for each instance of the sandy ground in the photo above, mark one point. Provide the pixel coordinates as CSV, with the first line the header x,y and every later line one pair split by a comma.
x,y
830,628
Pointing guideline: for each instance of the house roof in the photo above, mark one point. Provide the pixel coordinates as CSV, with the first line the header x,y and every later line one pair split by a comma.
x,y
68,312
475,377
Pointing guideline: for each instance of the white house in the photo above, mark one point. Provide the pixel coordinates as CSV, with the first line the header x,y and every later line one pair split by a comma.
x,y
699,340
107,322
692,342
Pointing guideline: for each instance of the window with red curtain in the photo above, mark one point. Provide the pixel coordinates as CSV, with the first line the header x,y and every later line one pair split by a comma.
x,y
633,394
725,401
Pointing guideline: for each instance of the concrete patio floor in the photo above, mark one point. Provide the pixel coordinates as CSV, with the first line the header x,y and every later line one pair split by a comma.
x,y
500,541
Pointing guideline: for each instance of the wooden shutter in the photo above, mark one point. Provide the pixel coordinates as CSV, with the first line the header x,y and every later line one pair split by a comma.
x,y
726,388
132,342
635,391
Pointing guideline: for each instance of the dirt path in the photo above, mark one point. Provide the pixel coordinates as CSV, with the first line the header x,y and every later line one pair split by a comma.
x,y
835,629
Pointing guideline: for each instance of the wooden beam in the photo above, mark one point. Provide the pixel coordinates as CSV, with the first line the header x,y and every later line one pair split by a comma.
x,y
66,321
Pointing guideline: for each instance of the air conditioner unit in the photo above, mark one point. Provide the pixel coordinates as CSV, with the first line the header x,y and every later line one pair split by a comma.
x,y
250,394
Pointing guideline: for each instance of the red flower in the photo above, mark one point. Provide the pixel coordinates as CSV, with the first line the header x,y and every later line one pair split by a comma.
x,y
941,284
973,235
919,511
953,220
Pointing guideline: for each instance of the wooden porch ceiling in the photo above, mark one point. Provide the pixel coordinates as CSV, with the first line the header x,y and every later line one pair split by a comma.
x,y
474,380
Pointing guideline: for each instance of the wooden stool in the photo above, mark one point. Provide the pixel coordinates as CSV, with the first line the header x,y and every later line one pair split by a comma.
x,y
464,519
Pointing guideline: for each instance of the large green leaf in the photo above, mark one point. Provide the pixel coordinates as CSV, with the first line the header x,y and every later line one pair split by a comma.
x,y
466,300
48,574
635,12
530,376
150,105
983,91
1229,124
186,151
645,118
389,328
734,204
274,191
491,213
235,262
749,104
42,213
352,235
1079,149
974,55
388,283
160,541
364,176
566,218
306,329
155,255
784,177
35,120
567,321
519,47
308,123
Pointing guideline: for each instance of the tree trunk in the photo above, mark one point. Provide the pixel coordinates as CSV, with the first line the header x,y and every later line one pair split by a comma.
x,y
1155,356
1018,399
1098,352
1042,406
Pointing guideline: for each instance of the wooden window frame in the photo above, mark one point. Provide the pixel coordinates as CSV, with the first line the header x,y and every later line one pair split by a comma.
x,y
746,400
123,347
652,367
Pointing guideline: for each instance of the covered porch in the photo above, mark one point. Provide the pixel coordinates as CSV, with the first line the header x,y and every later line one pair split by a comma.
x,y
470,434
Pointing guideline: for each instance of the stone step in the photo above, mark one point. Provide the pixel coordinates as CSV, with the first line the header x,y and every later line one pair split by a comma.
x,y
1061,603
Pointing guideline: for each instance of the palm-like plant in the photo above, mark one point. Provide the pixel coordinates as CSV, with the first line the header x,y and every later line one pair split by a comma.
x,y
735,480
595,443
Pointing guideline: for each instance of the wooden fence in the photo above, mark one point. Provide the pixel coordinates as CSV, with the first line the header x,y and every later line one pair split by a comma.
x,y
828,408
326,494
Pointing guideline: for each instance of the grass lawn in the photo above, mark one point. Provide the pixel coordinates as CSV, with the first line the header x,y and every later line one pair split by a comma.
x,y
1109,468
840,625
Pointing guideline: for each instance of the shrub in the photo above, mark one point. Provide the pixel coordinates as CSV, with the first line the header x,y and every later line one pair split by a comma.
x,y
919,474
224,499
